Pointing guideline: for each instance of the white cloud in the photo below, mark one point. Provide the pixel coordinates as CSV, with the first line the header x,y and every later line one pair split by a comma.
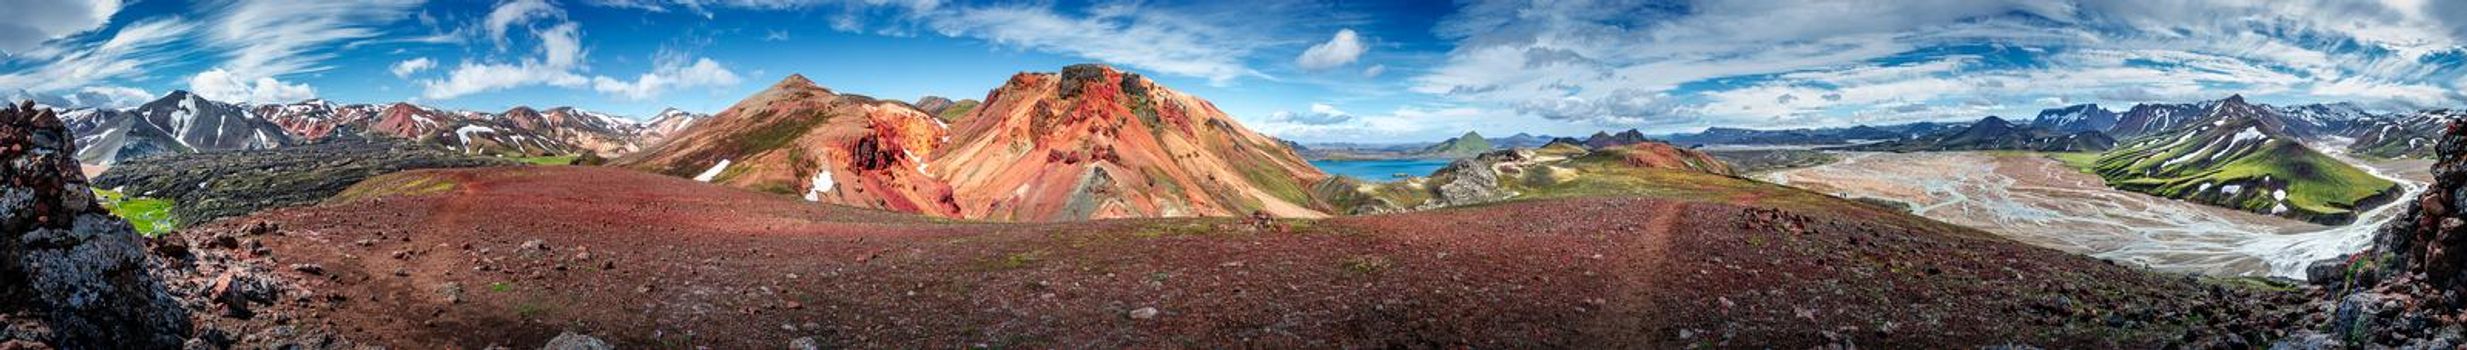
x,y
703,7
1406,123
1340,50
405,68
267,38
514,12
128,53
1832,63
1215,40
1320,114
220,85
30,23
561,45
112,97
1148,40
670,75
1374,71
559,62
469,78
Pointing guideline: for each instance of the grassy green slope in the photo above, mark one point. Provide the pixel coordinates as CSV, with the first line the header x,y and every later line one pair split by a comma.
x,y
2190,164
958,111
548,160
151,216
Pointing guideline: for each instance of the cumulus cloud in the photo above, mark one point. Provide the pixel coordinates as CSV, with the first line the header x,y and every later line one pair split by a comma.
x,y
112,97
559,61
1340,50
670,75
220,85
559,52
469,78
27,24
405,68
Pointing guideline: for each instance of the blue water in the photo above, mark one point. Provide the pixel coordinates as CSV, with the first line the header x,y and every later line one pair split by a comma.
x,y
1380,170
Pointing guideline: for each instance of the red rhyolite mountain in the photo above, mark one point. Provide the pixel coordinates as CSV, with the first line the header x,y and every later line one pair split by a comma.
x,y
801,139
1090,142
1094,142
520,131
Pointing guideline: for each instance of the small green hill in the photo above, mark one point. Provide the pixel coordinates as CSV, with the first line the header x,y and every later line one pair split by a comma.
x,y
1472,144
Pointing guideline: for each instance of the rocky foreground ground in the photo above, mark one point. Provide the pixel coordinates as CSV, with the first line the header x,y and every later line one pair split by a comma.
x,y
518,256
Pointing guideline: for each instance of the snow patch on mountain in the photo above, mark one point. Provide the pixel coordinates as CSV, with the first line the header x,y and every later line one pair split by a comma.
x,y
707,175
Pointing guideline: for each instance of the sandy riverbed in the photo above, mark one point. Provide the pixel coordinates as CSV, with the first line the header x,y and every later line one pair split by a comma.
x,y
2041,201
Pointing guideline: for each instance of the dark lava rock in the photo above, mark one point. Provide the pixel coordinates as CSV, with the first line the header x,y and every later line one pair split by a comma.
x,y
213,185
2402,291
64,261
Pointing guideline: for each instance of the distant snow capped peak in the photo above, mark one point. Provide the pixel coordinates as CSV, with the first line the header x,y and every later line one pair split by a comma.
x,y
674,112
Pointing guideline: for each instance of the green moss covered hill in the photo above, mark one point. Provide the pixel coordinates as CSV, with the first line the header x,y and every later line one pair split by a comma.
x,y
2235,159
1472,144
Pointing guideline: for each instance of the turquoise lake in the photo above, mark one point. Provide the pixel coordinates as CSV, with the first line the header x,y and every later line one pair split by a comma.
x,y
1380,170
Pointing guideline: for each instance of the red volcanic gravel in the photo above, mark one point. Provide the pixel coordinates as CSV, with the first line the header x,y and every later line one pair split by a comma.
x,y
644,260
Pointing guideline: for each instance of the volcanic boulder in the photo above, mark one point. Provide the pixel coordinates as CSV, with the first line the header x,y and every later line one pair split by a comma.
x,y
71,274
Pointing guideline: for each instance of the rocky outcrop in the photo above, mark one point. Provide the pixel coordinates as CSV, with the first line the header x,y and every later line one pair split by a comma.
x,y
215,185
71,275
2404,290
1474,181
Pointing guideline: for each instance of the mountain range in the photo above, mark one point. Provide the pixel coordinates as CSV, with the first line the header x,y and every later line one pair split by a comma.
x,y
181,122
176,123
2248,157
1994,133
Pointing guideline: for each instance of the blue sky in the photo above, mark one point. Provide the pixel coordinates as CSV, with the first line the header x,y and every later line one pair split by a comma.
x,y
1363,71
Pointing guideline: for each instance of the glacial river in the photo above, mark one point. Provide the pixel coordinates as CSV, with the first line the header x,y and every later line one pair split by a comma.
x,y
2041,201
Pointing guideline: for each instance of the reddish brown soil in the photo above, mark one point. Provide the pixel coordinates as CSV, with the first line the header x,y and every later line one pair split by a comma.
x,y
672,262
1658,155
